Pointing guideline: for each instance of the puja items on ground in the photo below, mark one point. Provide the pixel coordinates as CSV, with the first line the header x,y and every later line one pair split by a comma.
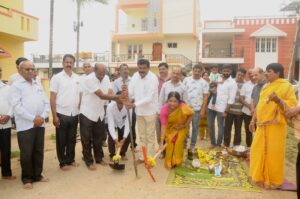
x,y
238,151
216,162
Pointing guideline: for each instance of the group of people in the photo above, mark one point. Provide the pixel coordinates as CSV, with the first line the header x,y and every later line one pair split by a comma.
x,y
161,109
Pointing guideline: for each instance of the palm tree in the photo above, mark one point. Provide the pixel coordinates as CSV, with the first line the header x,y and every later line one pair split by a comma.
x,y
50,72
80,4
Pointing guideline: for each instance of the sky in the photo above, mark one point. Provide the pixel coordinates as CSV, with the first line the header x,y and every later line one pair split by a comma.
x,y
98,21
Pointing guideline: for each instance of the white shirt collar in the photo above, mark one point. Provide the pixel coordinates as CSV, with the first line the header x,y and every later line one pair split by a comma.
x,y
146,77
23,80
64,73
2,84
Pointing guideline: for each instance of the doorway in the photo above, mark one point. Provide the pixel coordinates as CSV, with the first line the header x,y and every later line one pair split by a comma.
x,y
156,51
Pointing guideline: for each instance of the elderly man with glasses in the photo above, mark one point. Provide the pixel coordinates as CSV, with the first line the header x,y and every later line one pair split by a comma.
x,y
30,108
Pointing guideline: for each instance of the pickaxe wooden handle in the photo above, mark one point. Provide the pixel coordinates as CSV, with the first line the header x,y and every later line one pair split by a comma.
x,y
145,161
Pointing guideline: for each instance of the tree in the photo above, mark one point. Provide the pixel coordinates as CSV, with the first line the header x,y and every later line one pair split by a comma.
x,y
50,72
80,4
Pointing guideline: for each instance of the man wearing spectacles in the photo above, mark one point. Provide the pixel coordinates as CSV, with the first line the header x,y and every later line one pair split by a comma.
x,y
30,108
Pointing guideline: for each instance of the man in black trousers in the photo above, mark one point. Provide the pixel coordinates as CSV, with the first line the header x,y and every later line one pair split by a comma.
x,y
30,108
5,130
65,99
96,89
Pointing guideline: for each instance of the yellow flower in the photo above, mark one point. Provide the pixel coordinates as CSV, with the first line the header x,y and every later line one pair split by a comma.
x,y
151,161
200,153
116,158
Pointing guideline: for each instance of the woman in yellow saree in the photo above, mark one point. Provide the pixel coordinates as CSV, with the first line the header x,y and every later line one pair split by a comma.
x,y
268,148
175,120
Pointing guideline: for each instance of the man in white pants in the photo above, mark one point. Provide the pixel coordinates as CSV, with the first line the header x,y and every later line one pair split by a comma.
x,y
143,88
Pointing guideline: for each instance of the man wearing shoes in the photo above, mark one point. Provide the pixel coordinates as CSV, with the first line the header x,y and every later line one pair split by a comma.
x,y
96,89
143,88
64,99
5,130
117,120
30,108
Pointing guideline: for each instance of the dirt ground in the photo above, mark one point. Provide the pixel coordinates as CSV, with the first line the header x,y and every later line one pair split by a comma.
x,y
106,183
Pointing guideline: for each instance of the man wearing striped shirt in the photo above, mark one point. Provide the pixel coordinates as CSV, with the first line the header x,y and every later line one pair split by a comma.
x,y
234,114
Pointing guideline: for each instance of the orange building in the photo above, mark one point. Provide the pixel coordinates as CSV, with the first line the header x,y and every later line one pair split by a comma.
x,y
250,41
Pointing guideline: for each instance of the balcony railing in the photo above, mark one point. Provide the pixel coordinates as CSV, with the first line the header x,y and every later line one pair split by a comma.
x,y
178,58
131,58
123,58
96,57
169,58
222,52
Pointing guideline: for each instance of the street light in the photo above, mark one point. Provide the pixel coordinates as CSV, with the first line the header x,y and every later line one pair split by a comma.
x,y
76,28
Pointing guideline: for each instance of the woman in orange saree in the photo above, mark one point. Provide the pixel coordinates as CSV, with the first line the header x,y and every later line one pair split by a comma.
x,y
268,148
175,119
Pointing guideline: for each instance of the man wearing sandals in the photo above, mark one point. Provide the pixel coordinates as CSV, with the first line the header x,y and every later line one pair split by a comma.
x,y
30,108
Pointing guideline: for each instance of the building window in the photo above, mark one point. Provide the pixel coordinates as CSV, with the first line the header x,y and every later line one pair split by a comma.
x,y
28,25
172,45
144,25
129,52
257,45
263,45
22,23
155,19
134,49
266,45
274,45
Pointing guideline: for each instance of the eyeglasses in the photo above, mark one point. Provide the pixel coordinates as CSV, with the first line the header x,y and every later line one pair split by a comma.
x,y
29,69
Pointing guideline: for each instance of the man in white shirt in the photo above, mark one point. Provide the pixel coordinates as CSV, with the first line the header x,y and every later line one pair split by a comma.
x,y
117,120
30,108
143,88
226,92
87,69
245,98
64,99
17,75
5,130
97,89
234,114
117,86
197,91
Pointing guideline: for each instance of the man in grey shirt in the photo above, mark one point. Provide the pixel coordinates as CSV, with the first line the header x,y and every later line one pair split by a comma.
x,y
173,85
258,76
124,73
117,87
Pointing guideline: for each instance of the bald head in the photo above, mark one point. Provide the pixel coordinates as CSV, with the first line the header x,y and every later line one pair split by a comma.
x,y
258,70
100,71
258,75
